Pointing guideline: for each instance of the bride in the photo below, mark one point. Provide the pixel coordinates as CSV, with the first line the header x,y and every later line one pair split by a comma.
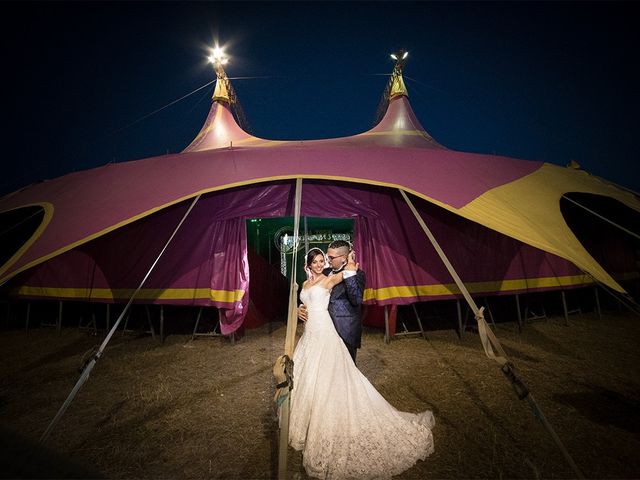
x,y
343,426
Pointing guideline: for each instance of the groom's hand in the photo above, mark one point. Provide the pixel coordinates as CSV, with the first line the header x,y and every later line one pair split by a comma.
x,y
302,312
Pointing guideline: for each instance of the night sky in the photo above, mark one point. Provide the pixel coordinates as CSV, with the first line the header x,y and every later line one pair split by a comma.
x,y
538,81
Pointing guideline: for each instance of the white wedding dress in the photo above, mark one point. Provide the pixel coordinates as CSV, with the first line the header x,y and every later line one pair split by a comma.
x,y
344,427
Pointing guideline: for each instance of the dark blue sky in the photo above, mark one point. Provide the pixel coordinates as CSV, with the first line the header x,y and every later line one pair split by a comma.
x,y
540,81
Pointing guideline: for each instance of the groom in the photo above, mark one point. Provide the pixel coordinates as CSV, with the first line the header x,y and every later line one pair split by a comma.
x,y
346,297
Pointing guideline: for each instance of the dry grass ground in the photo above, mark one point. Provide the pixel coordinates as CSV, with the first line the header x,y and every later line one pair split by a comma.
x,y
204,409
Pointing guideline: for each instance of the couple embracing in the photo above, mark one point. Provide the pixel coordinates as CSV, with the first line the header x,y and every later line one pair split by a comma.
x,y
344,427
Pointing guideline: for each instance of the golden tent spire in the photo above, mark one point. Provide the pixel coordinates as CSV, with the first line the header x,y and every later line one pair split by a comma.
x,y
396,83
223,91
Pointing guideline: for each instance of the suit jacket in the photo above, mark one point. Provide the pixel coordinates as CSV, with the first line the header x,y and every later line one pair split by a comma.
x,y
344,307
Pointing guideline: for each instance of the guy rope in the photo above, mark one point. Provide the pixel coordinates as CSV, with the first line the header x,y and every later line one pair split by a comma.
x,y
491,344
88,367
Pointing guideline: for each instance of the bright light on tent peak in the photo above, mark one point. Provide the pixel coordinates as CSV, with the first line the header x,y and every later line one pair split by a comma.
x,y
218,56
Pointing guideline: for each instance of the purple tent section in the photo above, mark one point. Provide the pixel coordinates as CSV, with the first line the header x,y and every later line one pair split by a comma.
x,y
88,204
403,267
207,262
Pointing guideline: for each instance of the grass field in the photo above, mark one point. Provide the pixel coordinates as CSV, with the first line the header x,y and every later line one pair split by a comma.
x,y
204,409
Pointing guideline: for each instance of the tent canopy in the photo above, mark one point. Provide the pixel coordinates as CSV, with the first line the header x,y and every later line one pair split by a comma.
x,y
517,198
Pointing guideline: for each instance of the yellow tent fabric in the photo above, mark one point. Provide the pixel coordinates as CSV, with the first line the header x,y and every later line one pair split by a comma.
x,y
528,210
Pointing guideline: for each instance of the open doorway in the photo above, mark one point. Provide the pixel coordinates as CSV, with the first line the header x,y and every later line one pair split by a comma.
x,y
272,239
269,248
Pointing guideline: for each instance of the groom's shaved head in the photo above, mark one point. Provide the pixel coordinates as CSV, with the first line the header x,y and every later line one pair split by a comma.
x,y
341,245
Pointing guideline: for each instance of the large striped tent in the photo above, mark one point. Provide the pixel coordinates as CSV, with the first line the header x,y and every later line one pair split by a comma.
x,y
92,235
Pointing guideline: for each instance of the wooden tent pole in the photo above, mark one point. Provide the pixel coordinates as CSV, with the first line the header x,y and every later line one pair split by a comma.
x,y
289,343
93,360
489,342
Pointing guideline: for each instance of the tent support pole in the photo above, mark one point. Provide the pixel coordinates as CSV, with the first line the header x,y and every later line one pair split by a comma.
x,y
126,321
387,335
622,300
564,308
59,321
289,343
28,317
415,311
595,290
490,342
195,327
153,331
459,312
161,323
519,312
91,362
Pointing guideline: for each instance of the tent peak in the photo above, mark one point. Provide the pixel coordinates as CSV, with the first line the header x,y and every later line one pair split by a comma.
x,y
396,123
226,123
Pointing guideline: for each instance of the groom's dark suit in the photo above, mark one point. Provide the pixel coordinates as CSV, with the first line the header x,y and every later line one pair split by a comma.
x,y
344,308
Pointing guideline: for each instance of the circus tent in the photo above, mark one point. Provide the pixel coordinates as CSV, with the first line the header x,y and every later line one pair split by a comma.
x,y
92,235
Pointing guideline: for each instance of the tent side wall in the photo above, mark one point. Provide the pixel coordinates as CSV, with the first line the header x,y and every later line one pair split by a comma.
x,y
207,262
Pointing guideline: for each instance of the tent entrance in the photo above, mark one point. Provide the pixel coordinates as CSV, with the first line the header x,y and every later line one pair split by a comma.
x,y
272,239
269,244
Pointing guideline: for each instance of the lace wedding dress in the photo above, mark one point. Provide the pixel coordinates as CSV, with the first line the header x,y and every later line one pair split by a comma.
x,y
344,427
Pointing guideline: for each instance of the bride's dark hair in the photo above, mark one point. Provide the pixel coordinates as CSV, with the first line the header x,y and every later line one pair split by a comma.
x,y
311,254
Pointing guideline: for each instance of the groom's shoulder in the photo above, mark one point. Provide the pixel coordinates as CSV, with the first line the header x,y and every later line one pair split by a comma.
x,y
327,271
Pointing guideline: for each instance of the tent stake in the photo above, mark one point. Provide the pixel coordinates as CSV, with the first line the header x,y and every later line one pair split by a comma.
x,y
490,342
94,359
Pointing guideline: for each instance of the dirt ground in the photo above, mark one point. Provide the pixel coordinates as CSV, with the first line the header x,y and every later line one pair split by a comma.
x,y
204,409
